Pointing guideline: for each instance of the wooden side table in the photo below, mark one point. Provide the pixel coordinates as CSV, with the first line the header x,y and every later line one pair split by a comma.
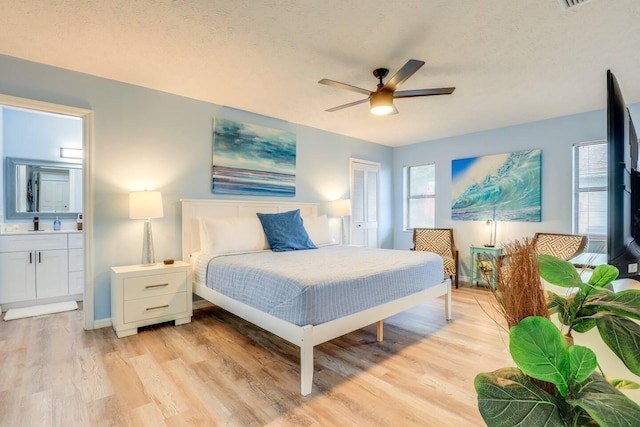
x,y
143,295
483,264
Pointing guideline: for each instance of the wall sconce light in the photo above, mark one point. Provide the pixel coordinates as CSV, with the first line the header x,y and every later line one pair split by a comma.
x,y
70,153
146,205
342,208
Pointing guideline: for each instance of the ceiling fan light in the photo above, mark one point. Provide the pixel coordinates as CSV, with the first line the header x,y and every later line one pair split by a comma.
x,y
381,103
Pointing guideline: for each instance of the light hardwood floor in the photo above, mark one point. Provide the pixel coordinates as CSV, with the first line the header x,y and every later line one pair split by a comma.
x,y
220,370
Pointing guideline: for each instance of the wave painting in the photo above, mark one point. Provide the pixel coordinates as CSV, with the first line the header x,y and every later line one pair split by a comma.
x,y
507,186
253,160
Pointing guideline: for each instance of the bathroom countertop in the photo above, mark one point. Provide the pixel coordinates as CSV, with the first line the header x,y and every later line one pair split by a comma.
x,y
8,229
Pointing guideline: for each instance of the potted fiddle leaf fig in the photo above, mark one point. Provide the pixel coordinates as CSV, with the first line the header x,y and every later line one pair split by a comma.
x,y
555,382
594,304
581,397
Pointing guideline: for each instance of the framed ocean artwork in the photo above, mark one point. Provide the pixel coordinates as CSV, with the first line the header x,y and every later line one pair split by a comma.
x,y
504,187
253,160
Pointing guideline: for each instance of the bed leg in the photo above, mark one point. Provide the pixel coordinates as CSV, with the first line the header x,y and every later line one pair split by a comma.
x,y
447,303
306,360
380,330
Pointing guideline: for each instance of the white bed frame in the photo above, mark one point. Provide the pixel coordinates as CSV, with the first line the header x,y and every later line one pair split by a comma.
x,y
305,337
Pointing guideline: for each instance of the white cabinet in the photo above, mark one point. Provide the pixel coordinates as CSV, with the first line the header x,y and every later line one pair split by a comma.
x,y
17,277
76,263
35,267
144,295
52,273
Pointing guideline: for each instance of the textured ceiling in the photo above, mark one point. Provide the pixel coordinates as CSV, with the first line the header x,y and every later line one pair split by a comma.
x,y
510,61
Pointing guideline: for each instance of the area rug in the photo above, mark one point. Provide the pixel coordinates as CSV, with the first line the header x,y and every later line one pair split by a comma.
x,y
39,310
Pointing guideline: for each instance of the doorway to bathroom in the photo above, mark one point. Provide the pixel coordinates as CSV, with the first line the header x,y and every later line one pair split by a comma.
x,y
48,146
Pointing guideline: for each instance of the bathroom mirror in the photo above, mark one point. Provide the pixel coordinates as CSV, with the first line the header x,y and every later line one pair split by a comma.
x,y
45,189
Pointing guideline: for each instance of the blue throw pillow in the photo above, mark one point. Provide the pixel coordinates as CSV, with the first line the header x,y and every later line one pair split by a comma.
x,y
285,231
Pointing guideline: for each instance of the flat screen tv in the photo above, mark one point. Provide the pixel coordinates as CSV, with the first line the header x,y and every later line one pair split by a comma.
x,y
623,175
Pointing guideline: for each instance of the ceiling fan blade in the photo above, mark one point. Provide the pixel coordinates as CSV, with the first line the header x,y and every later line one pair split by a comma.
x,y
403,74
351,104
423,92
344,86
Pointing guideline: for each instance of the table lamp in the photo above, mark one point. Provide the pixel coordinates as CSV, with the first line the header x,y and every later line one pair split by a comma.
x,y
342,208
146,205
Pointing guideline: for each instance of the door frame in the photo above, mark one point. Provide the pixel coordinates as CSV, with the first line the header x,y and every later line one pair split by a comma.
x,y
87,117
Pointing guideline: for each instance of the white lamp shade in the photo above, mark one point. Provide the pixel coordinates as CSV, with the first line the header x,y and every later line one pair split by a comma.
x,y
145,204
342,207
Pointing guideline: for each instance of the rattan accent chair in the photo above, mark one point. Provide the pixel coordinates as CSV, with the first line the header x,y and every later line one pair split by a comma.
x,y
563,246
439,241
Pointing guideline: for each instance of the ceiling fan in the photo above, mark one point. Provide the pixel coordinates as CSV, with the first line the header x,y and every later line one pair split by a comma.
x,y
381,99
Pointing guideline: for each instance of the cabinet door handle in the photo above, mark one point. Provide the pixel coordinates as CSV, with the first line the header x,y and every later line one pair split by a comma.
x,y
156,286
30,257
160,306
39,257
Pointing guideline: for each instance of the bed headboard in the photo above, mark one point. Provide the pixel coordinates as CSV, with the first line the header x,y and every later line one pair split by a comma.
x,y
192,209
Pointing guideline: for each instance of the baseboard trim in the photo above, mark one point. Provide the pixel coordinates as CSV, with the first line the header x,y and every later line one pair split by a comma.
x,y
102,323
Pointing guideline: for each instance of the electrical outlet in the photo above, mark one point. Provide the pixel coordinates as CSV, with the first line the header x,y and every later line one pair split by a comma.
x,y
632,268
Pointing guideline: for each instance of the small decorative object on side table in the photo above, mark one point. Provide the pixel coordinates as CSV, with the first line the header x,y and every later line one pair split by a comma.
x,y
143,295
483,264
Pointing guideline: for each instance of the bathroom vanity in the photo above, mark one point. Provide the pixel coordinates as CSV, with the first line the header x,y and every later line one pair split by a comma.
x,y
39,267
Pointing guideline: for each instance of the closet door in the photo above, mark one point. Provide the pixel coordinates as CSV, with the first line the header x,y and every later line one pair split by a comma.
x,y
364,203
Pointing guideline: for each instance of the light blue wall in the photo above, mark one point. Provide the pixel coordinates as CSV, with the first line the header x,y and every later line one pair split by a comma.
x,y
150,139
555,137
39,136
158,141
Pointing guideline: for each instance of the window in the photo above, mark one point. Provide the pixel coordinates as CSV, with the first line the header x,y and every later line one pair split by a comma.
x,y
419,196
590,194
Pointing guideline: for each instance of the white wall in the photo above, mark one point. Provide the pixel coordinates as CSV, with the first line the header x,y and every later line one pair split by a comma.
x,y
555,137
158,141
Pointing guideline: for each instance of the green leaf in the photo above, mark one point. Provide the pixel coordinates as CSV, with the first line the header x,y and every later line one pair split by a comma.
x,y
558,272
539,349
624,384
583,325
603,275
623,338
555,302
606,405
626,303
574,302
507,398
583,362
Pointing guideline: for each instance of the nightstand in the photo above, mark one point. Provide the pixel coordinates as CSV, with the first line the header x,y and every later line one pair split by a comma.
x,y
143,295
483,264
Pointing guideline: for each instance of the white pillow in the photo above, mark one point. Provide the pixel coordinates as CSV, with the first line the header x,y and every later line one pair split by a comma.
x,y
222,235
318,229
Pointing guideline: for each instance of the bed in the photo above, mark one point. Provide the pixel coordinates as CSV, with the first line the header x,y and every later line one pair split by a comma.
x,y
290,309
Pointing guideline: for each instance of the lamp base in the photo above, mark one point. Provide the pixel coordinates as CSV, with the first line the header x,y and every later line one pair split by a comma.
x,y
148,257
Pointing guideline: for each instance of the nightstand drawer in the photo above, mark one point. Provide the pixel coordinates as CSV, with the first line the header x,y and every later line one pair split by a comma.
x,y
153,285
156,306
